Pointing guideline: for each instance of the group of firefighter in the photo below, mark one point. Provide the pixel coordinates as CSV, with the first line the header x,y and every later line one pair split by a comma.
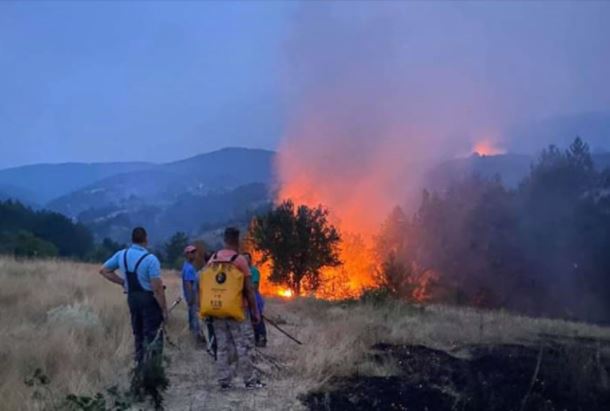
x,y
224,295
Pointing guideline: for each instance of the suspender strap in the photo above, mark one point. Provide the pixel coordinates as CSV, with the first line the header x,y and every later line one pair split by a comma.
x,y
125,261
133,283
135,270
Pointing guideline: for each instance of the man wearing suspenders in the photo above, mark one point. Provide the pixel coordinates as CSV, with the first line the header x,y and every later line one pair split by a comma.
x,y
145,293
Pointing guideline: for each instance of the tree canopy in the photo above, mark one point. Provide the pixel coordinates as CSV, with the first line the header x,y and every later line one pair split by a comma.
x,y
540,249
41,233
174,248
299,242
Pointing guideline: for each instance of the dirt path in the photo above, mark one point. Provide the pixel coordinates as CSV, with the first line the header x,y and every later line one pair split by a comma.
x,y
194,387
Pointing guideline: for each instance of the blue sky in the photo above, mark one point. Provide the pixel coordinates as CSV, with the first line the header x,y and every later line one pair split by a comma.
x,y
159,81
142,80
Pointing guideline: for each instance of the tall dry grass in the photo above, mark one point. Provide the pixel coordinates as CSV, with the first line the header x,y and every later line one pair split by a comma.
x,y
65,319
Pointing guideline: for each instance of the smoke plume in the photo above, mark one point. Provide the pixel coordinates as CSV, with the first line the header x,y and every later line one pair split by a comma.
x,y
378,94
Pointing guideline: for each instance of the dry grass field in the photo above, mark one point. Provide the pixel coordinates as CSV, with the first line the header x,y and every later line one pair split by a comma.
x,y
64,319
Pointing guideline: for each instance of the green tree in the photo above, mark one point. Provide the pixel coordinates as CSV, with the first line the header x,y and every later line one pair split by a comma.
x,y
71,239
468,235
26,244
174,248
560,215
298,242
393,276
105,249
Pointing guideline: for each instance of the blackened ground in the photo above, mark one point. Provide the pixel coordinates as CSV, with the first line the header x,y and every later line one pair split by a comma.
x,y
548,377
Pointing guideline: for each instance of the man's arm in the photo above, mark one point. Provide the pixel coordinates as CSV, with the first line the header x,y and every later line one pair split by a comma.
x,y
156,284
242,264
108,270
249,292
189,292
159,293
111,276
258,283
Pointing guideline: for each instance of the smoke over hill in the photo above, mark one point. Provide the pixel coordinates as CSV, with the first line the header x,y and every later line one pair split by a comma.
x,y
379,97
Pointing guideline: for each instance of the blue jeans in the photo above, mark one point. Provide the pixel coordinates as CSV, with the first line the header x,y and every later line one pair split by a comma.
x,y
193,318
260,330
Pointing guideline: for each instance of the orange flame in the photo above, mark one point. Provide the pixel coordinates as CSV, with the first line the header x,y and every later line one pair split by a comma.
x,y
357,207
487,147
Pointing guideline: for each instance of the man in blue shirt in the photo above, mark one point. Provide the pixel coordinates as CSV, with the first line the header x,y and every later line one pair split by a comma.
x,y
260,330
141,279
190,286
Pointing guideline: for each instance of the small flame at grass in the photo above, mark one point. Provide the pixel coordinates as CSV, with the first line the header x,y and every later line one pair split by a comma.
x,y
285,292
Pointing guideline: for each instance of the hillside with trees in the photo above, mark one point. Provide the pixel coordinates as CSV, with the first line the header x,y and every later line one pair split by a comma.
x,y
29,233
540,248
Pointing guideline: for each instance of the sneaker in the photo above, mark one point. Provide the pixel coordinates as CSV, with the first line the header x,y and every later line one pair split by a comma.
x,y
255,385
225,386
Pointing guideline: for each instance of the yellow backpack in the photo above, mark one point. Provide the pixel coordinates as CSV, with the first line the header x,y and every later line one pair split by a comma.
x,y
221,286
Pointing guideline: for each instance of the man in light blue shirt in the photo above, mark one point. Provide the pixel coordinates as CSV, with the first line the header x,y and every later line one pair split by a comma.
x,y
190,287
141,278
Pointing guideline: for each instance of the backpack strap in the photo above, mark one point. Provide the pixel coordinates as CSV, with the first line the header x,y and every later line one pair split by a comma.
x,y
231,260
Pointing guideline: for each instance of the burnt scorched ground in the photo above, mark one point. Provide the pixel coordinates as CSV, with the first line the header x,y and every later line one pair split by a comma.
x,y
547,377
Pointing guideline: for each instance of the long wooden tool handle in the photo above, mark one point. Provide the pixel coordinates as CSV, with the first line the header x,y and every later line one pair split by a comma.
x,y
282,331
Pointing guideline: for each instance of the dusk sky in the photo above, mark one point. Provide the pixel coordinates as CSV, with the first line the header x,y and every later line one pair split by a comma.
x,y
160,81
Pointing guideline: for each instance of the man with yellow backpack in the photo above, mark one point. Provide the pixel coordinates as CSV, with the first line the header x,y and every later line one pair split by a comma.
x,y
227,295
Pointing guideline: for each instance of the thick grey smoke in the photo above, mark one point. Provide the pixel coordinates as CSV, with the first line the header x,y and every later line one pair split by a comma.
x,y
379,92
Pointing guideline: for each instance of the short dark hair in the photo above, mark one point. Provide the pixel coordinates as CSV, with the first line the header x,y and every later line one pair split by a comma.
x,y
231,236
139,235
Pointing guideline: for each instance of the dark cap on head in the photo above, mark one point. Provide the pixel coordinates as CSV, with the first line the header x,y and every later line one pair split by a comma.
x,y
231,236
139,236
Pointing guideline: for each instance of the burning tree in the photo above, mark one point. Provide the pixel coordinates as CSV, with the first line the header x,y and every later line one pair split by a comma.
x,y
298,242
399,273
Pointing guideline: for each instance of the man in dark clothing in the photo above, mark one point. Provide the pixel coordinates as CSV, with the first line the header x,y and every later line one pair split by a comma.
x,y
141,279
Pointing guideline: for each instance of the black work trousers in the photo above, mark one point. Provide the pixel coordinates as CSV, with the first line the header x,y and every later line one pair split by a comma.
x,y
146,320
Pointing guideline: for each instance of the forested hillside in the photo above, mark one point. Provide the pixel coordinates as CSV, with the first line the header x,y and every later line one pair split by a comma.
x,y
25,232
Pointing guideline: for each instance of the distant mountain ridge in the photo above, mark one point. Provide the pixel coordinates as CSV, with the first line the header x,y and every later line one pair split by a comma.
x,y
163,184
41,183
186,195
199,193
9,191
